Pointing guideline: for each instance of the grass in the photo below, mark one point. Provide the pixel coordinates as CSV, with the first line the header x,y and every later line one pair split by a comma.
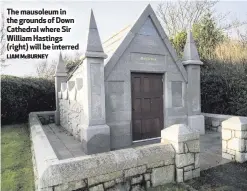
x,y
17,169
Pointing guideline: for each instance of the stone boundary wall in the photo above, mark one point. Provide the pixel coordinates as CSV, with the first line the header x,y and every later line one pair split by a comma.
x,y
213,121
234,139
42,151
186,143
127,169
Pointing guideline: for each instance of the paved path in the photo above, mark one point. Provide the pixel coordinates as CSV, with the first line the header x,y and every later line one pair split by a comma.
x,y
210,145
62,142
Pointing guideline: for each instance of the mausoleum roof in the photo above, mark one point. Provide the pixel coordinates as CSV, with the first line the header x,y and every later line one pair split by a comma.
x,y
111,44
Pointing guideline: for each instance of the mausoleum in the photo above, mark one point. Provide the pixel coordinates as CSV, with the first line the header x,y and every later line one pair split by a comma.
x,y
128,88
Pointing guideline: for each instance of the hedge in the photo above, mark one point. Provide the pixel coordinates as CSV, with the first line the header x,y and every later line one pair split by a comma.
x,y
20,96
224,88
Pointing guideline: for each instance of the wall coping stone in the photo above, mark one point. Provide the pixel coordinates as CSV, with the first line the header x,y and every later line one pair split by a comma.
x,y
179,133
52,171
235,123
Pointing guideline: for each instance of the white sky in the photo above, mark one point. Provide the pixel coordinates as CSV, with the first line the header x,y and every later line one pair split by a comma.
x,y
110,17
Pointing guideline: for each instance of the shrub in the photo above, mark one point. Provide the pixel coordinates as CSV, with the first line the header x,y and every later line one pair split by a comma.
x,y
20,96
224,88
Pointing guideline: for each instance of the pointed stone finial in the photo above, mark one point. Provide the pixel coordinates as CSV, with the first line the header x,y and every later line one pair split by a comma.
x,y
94,46
191,55
60,69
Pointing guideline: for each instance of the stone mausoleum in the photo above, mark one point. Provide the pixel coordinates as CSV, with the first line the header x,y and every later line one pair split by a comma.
x,y
128,88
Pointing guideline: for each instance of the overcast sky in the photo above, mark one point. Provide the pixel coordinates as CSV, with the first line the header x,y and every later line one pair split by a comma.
x,y
110,17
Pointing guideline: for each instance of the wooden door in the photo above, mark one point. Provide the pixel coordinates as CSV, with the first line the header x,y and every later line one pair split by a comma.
x,y
147,105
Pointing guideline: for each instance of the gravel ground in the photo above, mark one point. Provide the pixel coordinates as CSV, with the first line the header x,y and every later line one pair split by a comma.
x,y
228,177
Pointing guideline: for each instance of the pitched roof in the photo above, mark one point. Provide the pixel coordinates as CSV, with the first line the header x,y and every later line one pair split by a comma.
x,y
112,43
116,45
148,12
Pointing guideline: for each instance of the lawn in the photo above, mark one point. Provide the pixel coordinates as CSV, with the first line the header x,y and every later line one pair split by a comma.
x,y
17,169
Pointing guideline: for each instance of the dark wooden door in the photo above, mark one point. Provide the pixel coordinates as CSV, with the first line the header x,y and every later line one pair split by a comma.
x,y
147,105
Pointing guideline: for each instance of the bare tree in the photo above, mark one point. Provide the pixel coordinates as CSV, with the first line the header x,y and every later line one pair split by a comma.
x,y
180,15
177,16
46,70
3,34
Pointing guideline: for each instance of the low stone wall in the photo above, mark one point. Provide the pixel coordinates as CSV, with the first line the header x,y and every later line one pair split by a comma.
x,y
46,117
187,146
234,139
42,152
127,169
213,121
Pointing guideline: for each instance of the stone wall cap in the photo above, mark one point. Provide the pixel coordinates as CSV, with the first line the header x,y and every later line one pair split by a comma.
x,y
179,133
235,123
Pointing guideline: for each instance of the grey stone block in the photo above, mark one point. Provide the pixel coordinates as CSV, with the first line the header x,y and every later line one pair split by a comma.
x,y
193,146
96,139
137,188
188,175
187,168
109,184
136,180
104,177
180,175
184,159
162,175
197,160
147,176
196,173
135,171
97,188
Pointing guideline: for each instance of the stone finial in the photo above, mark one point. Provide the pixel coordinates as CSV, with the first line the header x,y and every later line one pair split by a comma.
x,y
60,69
94,46
191,55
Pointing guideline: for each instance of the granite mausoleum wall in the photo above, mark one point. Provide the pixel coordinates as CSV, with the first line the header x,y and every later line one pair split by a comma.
x,y
234,139
71,108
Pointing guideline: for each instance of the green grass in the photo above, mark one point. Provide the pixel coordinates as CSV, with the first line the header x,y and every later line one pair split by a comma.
x,y
17,169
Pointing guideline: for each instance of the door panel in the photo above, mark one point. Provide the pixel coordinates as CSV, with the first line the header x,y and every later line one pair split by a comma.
x,y
147,105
